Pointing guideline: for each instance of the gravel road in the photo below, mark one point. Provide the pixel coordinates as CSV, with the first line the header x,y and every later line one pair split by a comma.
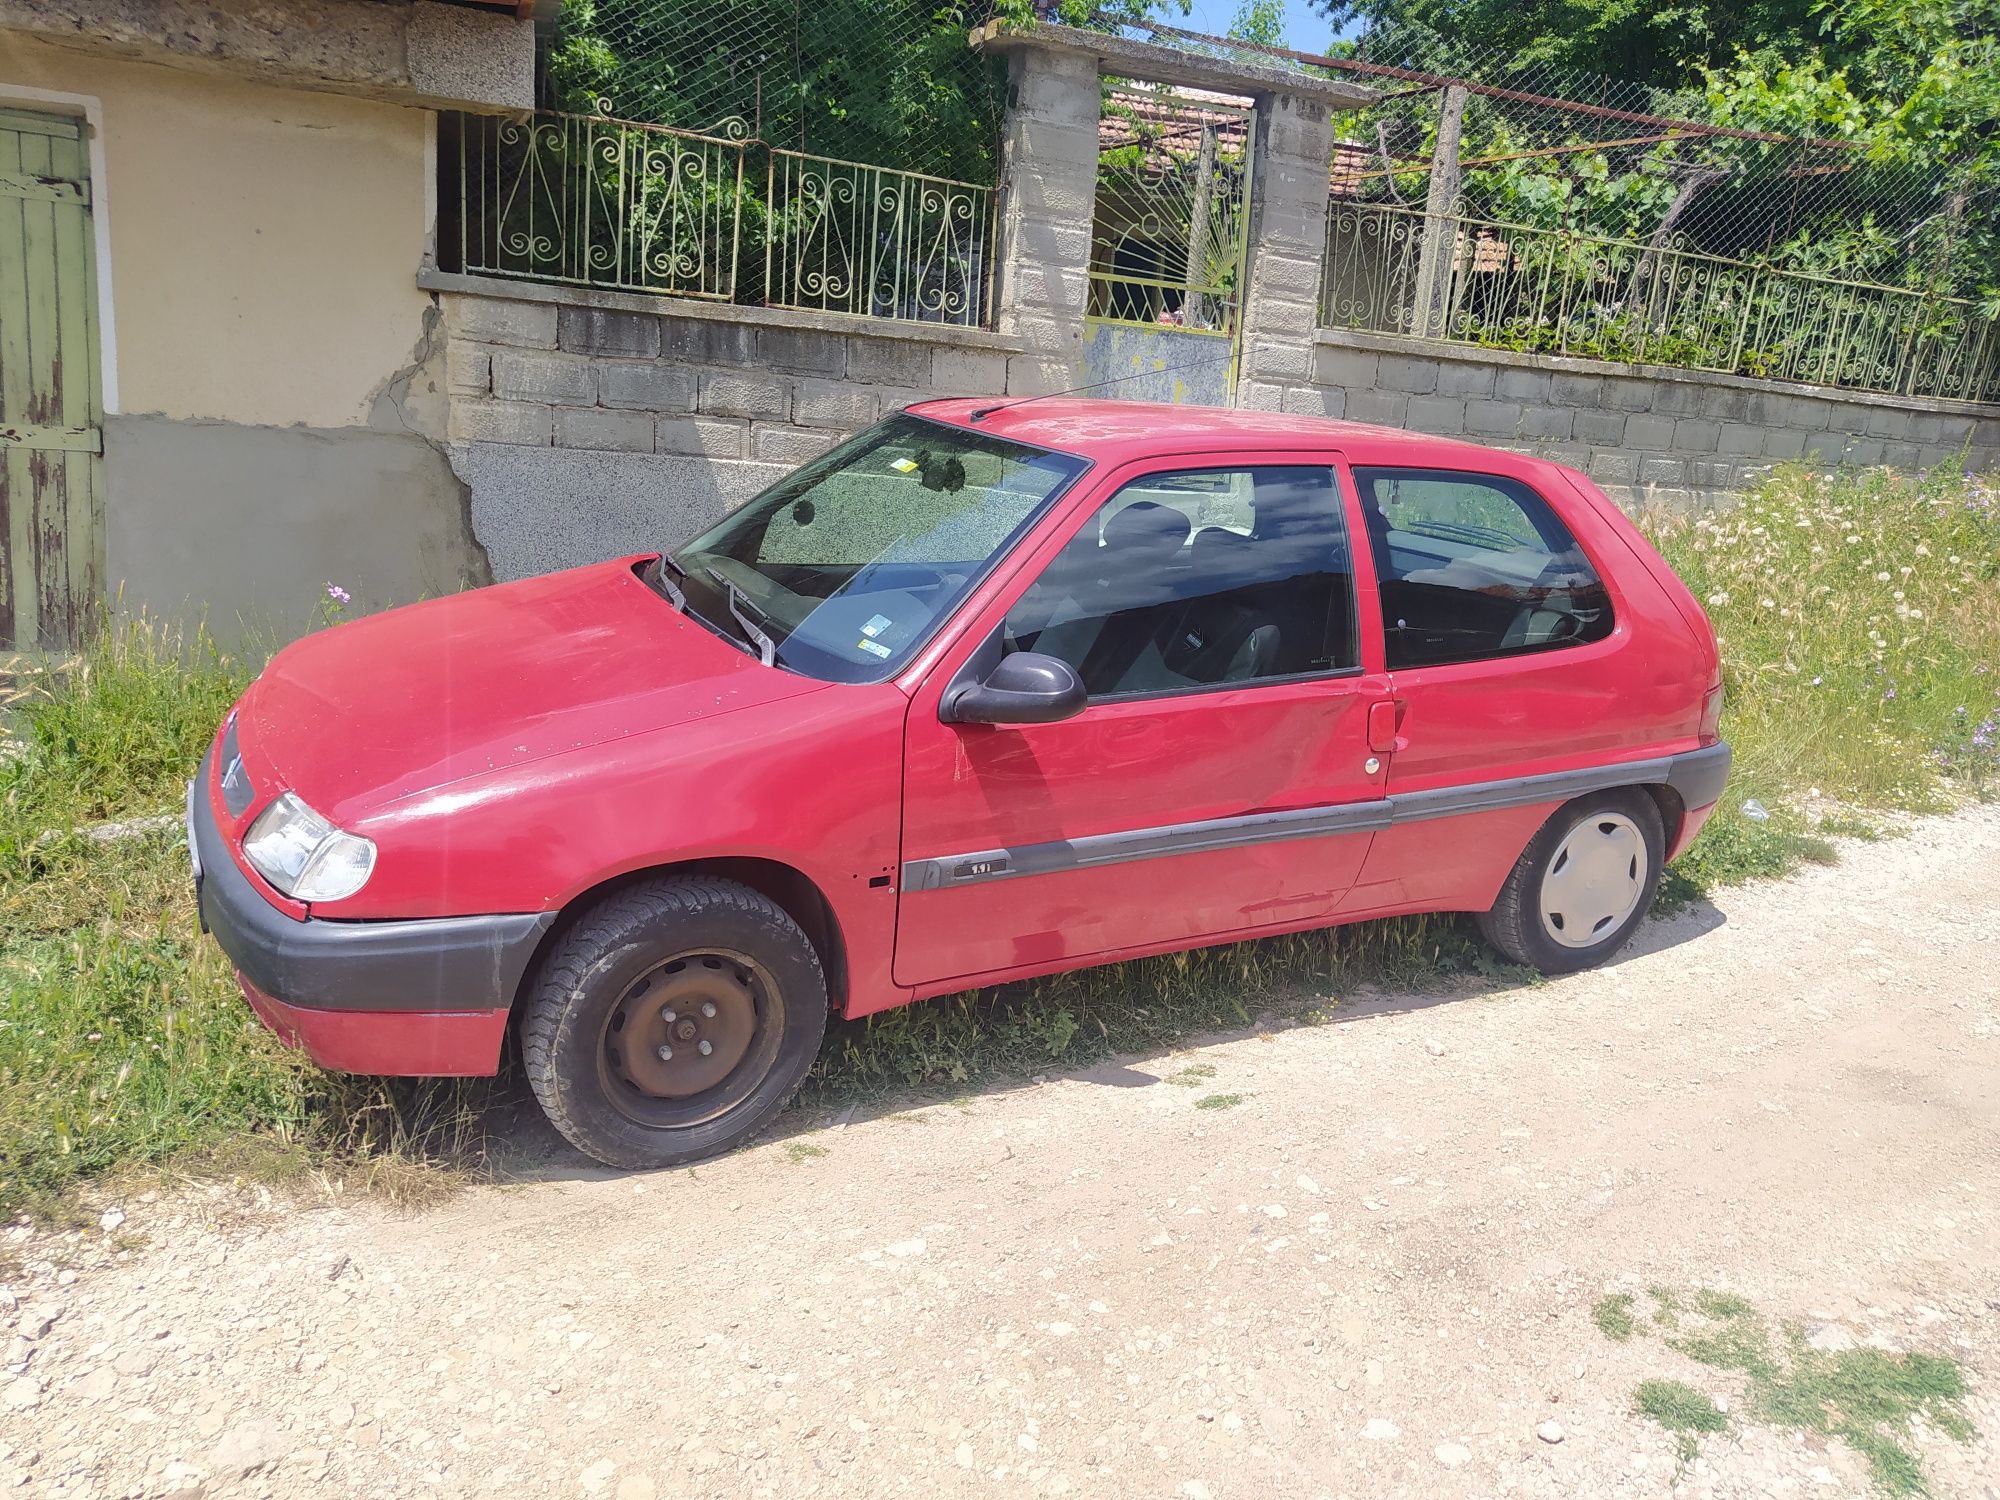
x,y
1371,1276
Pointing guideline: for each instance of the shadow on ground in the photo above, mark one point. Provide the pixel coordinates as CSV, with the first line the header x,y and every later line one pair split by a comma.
x,y
521,1146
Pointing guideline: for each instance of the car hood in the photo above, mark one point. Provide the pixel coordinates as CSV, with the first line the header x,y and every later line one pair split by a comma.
x,y
401,703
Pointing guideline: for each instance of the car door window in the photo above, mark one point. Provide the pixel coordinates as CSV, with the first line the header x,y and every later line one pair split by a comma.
x,y
1196,579
1475,566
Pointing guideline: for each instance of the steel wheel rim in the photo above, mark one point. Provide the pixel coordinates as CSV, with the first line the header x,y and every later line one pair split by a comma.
x,y
713,996
1594,880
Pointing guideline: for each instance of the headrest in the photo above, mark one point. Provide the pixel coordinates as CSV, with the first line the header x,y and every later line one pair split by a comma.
x,y
1147,526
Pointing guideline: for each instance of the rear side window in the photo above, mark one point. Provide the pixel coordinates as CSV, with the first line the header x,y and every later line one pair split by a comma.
x,y
1475,566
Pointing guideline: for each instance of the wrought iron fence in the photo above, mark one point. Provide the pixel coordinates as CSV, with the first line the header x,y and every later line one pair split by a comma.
x,y
1394,269
594,201
590,200
843,237
1169,238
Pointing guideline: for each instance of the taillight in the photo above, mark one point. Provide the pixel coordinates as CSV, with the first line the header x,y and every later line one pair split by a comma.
x,y
1711,716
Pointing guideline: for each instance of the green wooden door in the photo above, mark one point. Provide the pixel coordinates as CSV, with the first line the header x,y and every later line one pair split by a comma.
x,y
51,427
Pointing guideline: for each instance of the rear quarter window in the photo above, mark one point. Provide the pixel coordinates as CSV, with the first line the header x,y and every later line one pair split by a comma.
x,y
1475,567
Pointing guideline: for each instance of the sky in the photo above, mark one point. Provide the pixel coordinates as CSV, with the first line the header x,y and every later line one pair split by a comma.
x,y
1305,29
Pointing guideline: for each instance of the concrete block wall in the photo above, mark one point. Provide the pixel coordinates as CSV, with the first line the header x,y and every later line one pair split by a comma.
x,y
1287,240
591,424
1646,434
1048,199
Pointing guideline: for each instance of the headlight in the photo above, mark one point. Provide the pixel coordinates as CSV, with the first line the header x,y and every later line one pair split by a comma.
x,y
305,856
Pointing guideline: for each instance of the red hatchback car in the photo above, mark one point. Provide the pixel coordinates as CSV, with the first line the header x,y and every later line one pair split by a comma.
x,y
990,691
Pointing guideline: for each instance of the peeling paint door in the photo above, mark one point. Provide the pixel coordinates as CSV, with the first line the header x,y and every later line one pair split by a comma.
x,y
51,427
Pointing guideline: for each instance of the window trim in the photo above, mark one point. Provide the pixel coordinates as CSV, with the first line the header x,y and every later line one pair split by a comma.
x,y
1347,497
1614,598
1022,535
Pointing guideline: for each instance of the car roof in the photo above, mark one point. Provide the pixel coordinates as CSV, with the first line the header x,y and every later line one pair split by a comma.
x,y
1118,431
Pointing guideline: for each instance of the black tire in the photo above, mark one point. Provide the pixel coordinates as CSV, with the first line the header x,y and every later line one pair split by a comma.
x,y
1520,928
605,1016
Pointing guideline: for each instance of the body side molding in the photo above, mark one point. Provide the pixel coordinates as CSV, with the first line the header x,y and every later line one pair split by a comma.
x,y
1697,775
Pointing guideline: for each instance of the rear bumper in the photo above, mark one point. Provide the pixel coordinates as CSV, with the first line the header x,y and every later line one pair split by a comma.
x,y
1697,778
321,982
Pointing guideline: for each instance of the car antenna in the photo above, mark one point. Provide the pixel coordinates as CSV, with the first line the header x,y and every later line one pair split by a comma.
x,y
982,413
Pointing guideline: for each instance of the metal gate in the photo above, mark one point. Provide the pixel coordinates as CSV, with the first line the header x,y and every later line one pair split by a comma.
x,y
51,438
1169,245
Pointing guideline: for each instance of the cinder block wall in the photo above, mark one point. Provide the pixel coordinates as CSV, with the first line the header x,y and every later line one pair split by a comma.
x,y
1646,434
591,424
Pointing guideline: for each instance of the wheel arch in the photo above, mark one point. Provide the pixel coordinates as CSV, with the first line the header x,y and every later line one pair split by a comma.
x,y
1673,815
790,888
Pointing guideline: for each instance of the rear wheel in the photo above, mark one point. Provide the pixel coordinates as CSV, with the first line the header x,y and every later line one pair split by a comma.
x,y
1582,885
672,1021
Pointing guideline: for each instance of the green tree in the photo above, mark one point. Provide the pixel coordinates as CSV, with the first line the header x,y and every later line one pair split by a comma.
x,y
882,81
1259,21
1640,41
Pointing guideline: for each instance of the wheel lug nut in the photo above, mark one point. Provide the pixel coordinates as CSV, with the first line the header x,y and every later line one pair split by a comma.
x,y
708,1009
666,1054
669,1017
705,1048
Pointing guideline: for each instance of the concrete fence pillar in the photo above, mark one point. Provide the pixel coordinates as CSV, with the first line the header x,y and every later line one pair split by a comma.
x,y
1048,195
1288,198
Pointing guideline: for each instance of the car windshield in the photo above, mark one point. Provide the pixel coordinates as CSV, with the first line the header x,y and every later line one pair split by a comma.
x,y
847,565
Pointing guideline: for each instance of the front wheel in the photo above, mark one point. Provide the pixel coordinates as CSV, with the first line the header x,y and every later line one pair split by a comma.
x,y
1582,885
672,1021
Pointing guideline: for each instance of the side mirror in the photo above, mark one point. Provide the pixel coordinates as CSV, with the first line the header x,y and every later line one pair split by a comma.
x,y
1024,688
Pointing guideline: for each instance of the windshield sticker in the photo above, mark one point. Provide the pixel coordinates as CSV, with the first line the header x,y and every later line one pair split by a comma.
x,y
903,465
876,626
873,648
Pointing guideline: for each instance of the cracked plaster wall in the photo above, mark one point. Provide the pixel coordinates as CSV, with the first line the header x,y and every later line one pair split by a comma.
x,y
280,415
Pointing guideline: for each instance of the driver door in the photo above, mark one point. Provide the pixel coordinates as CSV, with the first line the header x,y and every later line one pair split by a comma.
x,y
1218,783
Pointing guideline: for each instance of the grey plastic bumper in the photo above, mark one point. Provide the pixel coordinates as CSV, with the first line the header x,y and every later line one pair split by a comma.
x,y
436,963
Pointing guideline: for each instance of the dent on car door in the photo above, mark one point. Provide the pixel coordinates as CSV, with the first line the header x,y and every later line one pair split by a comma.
x,y
1505,652
1210,613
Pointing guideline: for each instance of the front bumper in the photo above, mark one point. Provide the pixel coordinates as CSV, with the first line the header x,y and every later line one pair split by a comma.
x,y
401,1043
323,981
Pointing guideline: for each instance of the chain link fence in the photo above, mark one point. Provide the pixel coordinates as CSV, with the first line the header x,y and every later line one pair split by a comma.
x,y
1490,200
831,156
885,83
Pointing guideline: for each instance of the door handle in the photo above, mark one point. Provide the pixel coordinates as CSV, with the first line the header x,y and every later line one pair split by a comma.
x,y
1384,715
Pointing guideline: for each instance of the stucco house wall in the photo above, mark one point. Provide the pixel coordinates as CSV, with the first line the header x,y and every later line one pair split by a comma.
x,y
273,375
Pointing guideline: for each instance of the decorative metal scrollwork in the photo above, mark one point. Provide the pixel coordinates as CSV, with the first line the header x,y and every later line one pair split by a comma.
x,y
847,237
598,201
1395,269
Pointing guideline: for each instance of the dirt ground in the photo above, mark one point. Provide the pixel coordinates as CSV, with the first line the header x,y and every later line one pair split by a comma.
x,y
1370,1275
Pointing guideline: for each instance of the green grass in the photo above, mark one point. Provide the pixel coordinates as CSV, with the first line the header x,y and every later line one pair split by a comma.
x,y
1666,1306
1613,1316
123,1040
1682,1410
1219,1101
1678,1407
1865,1397
1859,621
1724,1332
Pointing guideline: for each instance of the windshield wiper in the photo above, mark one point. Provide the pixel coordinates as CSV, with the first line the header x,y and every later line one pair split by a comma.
x,y
739,610
667,586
